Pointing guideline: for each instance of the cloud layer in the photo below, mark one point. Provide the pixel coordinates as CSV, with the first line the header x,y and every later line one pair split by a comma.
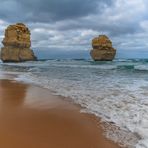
x,y
71,24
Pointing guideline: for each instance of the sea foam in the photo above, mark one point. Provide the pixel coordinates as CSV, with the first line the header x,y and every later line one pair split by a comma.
x,y
115,91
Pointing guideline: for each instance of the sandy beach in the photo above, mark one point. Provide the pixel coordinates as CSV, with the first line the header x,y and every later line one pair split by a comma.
x,y
31,117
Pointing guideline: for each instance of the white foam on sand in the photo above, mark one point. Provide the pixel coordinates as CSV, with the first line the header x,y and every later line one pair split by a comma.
x,y
9,75
127,108
116,92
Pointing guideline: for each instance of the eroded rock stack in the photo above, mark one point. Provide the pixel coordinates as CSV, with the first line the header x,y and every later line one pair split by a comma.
x,y
102,49
17,44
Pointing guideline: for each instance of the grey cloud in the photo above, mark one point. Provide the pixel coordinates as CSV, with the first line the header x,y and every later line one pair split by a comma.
x,y
71,24
101,25
49,10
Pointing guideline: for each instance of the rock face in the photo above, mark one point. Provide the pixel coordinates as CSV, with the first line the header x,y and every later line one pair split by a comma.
x,y
17,44
102,49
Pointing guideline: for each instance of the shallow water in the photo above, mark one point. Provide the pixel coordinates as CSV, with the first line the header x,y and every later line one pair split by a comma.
x,y
115,91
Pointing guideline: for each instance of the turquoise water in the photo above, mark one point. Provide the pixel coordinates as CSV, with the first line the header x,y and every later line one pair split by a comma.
x,y
116,91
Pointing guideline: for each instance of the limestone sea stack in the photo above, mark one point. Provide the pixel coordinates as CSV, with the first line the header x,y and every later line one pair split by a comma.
x,y
17,44
102,49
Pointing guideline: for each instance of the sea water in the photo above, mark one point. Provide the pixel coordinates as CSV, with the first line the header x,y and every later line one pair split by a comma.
x,y
116,91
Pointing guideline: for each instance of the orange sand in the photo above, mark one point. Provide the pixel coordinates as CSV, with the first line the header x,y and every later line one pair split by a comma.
x,y
30,117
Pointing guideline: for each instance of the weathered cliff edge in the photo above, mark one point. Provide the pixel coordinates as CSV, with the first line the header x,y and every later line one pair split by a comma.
x,y
17,44
102,49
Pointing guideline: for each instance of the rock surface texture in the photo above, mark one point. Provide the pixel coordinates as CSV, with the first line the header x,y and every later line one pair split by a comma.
x,y
17,44
102,49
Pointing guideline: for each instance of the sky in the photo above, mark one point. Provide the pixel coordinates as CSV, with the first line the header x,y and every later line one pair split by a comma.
x,y
65,28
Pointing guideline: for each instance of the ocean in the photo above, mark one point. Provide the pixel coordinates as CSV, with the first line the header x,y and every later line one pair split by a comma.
x,y
116,91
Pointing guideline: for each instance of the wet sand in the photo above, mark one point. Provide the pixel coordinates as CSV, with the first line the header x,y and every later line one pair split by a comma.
x,y
31,117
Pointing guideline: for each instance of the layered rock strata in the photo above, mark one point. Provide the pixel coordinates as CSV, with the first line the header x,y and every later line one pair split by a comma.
x,y
17,44
102,49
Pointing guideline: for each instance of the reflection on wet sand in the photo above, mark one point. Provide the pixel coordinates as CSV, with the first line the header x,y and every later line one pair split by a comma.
x,y
59,125
12,94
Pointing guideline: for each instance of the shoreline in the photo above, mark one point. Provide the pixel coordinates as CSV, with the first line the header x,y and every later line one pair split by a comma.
x,y
46,118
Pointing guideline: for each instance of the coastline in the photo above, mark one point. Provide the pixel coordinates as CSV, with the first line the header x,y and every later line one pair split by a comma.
x,y
36,118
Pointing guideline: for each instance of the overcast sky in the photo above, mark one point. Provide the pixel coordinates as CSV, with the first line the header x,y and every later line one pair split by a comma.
x,y
70,25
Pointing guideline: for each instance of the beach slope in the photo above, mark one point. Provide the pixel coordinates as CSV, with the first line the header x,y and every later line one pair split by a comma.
x,y
31,117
